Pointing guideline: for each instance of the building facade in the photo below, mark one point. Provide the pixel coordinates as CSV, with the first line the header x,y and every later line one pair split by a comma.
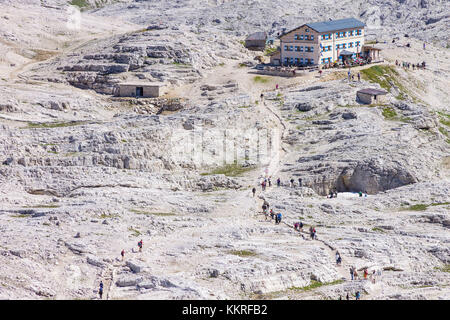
x,y
321,42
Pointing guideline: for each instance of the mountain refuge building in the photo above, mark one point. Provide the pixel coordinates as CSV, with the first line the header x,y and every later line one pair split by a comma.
x,y
322,42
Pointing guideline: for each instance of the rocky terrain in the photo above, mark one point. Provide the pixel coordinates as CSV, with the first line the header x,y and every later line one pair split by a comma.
x,y
85,175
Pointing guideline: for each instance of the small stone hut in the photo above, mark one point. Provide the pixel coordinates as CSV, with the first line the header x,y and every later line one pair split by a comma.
x,y
141,90
370,96
256,41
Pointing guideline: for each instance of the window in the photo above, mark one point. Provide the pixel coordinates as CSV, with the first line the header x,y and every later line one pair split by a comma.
x,y
312,37
359,32
350,33
286,48
337,34
306,30
286,60
301,48
357,43
344,46
292,60
301,37
345,33
312,61
301,60
291,48
296,37
350,44
296,48
312,49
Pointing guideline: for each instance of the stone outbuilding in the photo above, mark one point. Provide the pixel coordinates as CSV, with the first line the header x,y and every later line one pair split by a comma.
x,y
141,90
256,41
371,53
371,96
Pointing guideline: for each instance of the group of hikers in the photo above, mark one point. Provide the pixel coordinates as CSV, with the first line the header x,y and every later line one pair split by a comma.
x,y
351,77
366,275
357,296
267,212
408,65
140,244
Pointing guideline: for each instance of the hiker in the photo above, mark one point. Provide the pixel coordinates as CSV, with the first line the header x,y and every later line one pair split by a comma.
x,y
373,276
339,261
272,214
360,193
140,243
263,186
296,226
270,182
266,204
349,74
424,46
358,295
353,77
278,182
331,194
347,297
359,77
338,257
365,273
254,191
292,182
355,274
320,73
264,208
276,86
300,227
335,193
413,66
352,273
299,182
278,218
100,290
262,96
314,234
122,253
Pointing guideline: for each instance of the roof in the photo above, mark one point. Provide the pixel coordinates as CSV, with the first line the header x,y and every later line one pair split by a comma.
x,y
371,48
257,36
373,92
346,53
142,84
333,25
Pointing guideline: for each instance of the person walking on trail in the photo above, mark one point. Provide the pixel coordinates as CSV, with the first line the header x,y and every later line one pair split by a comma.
x,y
358,295
272,214
373,276
264,208
254,191
299,182
320,73
122,253
269,181
292,182
140,244
352,273
360,193
424,46
349,74
338,258
262,96
347,297
366,273
278,182
276,86
100,290
359,77
300,227
278,218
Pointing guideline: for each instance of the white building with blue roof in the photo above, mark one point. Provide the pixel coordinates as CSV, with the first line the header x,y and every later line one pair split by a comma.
x,y
322,42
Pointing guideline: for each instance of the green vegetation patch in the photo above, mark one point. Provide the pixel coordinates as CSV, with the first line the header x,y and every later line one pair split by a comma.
x,y
163,214
389,113
445,268
243,253
230,170
44,206
269,51
259,79
136,232
417,207
315,284
32,125
79,3
385,75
